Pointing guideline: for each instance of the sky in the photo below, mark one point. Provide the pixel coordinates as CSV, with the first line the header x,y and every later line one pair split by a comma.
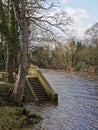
x,y
83,12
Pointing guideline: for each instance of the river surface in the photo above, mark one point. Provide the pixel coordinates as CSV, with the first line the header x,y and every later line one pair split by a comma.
x,y
77,107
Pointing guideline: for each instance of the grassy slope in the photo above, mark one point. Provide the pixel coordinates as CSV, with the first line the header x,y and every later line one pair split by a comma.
x,y
12,117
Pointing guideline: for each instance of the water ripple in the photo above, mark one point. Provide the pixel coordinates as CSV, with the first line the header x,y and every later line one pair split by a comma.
x,y
77,107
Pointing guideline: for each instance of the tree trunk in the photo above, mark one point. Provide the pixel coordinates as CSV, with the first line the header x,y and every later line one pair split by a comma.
x,y
10,64
21,78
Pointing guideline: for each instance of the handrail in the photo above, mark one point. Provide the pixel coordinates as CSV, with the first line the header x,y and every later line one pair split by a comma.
x,y
31,89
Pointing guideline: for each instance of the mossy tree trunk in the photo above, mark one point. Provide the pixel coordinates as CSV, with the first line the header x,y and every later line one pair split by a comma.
x,y
24,33
10,64
9,30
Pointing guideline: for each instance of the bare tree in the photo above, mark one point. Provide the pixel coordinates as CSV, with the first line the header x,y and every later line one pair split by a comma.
x,y
36,13
24,34
92,37
92,34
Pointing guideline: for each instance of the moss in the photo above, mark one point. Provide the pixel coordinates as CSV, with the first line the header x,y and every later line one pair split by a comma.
x,y
32,73
6,90
8,118
13,118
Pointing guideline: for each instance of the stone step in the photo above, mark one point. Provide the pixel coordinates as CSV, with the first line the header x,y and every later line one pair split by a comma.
x,y
41,95
28,95
40,92
35,84
38,89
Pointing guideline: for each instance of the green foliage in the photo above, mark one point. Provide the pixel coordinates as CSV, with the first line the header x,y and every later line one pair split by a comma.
x,y
77,67
45,57
7,119
2,56
71,56
12,117
5,90
9,45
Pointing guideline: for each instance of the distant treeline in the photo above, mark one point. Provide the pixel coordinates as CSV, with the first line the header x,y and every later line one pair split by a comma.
x,y
71,56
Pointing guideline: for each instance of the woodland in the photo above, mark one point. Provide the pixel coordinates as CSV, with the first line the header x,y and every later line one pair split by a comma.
x,y
33,33
29,35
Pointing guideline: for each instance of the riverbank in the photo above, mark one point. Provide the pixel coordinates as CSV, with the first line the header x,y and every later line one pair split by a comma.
x,y
16,118
11,116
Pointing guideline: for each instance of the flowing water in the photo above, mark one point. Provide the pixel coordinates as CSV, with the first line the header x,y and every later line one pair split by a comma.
x,y
77,107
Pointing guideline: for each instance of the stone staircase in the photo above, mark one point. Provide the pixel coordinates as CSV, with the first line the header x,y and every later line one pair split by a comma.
x,y
28,96
38,89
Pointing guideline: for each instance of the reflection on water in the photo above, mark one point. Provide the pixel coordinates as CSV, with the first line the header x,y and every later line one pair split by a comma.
x,y
77,107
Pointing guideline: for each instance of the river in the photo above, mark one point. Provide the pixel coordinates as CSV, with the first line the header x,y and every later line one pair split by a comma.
x,y
77,107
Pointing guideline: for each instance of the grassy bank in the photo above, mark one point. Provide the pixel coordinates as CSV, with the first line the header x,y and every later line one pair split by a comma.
x,y
15,118
11,116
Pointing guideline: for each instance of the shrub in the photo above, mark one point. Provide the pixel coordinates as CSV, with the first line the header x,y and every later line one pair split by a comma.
x,y
5,90
77,67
